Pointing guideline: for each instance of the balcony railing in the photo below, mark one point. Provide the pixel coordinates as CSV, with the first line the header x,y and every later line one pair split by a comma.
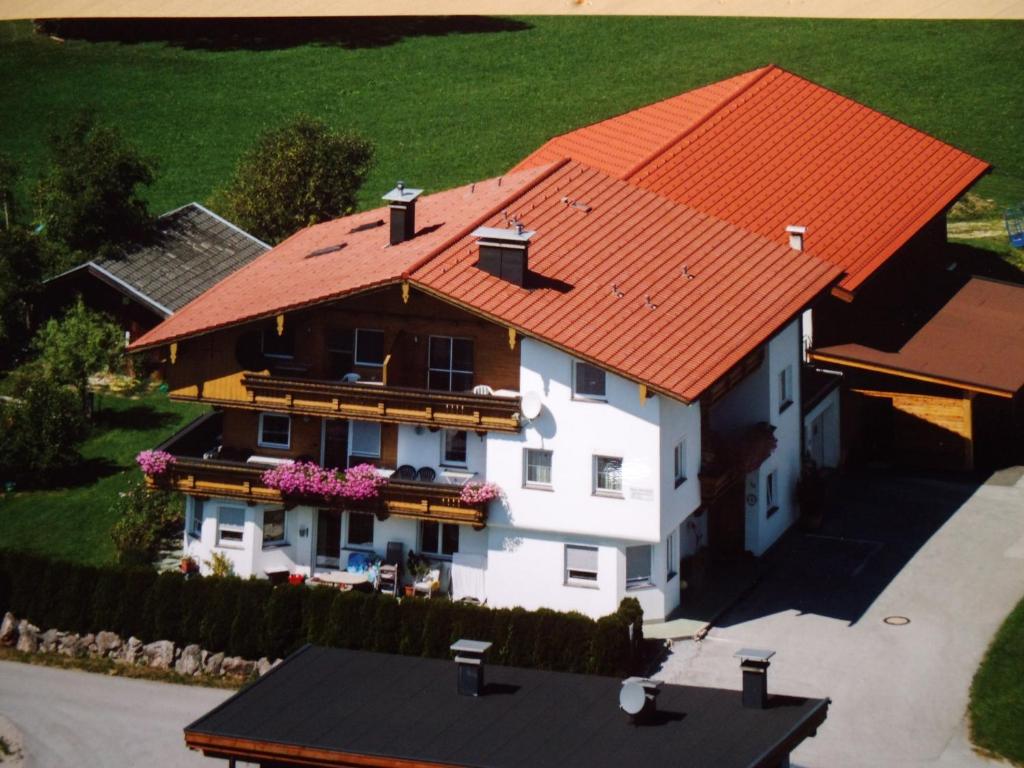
x,y
377,402
196,476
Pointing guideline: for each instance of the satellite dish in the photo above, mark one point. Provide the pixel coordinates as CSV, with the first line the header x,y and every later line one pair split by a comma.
x,y
632,698
531,405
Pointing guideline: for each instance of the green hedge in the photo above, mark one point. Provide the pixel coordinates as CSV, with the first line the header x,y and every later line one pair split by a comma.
x,y
253,619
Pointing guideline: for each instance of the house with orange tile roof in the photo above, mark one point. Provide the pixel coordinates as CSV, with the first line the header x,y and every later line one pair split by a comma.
x,y
566,378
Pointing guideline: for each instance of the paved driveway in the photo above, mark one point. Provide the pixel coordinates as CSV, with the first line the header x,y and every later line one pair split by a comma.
x,y
71,718
949,556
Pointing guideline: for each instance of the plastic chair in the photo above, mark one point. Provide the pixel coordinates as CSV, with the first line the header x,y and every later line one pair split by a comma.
x,y
429,584
1014,220
426,474
405,472
387,580
350,378
482,389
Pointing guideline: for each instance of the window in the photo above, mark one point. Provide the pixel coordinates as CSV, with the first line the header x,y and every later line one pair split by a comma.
x,y
195,520
608,475
453,447
450,364
638,566
282,346
273,526
360,529
538,467
369,347
588,381
440,539
365,438
771,492
679,462
671,556
785,388
275,431
580,565
230,525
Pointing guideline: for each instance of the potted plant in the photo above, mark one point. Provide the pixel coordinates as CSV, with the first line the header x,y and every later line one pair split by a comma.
x,y
189,565
296,579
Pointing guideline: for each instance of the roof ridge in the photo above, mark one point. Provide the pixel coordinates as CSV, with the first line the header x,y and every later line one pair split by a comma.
x,y
479,220
725,101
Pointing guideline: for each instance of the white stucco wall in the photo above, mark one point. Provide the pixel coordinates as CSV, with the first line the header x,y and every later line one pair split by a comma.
x,y
828,437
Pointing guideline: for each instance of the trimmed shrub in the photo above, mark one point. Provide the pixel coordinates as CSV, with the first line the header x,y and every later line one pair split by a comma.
x,y
106,600
562,641
610,648
248,628
316,614
412,616
437,629
344,624
74,613
135,586
195,602
163,607
215,628
386,623
284,620
521,639
49,602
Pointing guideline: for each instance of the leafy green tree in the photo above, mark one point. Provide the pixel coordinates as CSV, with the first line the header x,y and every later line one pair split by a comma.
x,y
41,428
9,175
21,269
145,521
89,200
76,346
294,176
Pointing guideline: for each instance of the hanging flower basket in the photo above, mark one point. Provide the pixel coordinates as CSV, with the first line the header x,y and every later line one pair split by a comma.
x,y
306,479
155,463
479,493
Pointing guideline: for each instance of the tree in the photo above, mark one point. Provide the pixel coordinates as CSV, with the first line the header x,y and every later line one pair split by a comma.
x,y
89,199
21,268
294,176
146,520
40,430
76,346
9,175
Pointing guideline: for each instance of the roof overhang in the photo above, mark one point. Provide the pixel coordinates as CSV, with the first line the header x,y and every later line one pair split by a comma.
x,y
117,284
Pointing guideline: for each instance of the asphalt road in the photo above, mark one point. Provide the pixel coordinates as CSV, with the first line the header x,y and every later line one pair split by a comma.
x,y
949,557
70,718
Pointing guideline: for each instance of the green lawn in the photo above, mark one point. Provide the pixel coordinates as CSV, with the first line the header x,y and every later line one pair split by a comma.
x,y
997,693
446,109
74,522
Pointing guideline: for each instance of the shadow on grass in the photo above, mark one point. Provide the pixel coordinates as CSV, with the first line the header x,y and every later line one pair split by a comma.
x,y
136,417
271,33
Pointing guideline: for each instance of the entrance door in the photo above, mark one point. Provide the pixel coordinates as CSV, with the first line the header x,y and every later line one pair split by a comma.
x,y
727,523
328,538
334,451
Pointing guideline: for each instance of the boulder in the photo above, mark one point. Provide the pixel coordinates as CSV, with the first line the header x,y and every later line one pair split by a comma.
x,y
133,651
49,641
67,645
9,630
213,663
87,645
159,655
190,661
263,666
107,643
236,666
28,637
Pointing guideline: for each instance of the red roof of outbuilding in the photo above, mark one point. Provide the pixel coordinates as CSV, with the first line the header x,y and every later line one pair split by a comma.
x,y
773,149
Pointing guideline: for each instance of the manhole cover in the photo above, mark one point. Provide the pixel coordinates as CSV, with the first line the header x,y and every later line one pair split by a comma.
x,y
896,621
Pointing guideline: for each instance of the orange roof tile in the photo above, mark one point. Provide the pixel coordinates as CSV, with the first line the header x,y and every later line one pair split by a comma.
x,y
676,333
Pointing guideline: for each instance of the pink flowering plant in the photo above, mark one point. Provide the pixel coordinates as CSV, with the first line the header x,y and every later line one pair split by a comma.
x,y
309,479
479,493
154,463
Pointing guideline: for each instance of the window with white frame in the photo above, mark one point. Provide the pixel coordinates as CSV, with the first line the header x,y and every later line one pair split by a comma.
x,y
608,475
771,492
439,539
638,566
273,527
453,447
347,348
588,381
450,364
580,565
538,468
275,431
679,462
230,525
785,388
671,556
364,438
195,518
278,345
360,530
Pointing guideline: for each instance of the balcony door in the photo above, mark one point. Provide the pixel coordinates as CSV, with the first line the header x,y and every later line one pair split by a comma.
x,y
328,538
334,443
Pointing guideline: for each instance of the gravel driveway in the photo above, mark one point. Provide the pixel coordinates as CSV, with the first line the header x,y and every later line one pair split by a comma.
x,y
948,556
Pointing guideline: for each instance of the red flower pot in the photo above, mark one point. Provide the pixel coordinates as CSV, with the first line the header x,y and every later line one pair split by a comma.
x,y
296,578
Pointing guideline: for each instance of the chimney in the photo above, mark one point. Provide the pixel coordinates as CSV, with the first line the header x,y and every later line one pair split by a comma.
x,y
754,663
469,663
638,698
505,253
402,202
796,237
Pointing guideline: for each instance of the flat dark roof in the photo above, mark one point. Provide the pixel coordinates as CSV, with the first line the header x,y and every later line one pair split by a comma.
x,y
326,704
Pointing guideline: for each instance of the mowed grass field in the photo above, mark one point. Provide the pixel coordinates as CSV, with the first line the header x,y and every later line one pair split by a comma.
x,y
451,101
997,693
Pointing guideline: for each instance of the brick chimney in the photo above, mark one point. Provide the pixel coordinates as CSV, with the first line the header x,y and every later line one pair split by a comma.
x,y
402,202
505,253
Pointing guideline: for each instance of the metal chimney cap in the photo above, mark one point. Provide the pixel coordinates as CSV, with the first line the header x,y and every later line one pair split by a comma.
x,y
470,646
402,194
508,235
795,229
753,654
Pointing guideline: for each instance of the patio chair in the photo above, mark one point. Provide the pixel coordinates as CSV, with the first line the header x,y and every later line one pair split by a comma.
x,y
426,474
482,389
387,580
350,378
429,584
405,472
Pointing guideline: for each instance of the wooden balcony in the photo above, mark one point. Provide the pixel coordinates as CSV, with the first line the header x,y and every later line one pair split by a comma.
x,y
438,502
377,402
